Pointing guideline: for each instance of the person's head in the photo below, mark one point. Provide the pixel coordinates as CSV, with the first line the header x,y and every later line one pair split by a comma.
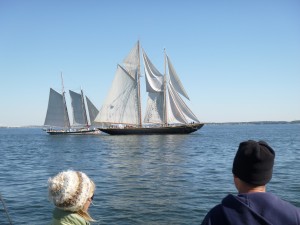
x,y
72,191
253,163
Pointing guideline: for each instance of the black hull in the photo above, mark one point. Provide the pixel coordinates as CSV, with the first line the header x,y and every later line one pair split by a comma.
x,y
77,132
184,129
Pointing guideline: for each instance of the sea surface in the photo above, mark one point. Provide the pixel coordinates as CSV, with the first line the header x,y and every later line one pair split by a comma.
x,y
171,179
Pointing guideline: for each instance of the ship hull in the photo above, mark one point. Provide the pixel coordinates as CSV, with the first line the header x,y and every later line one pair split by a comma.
x,y
73,132
184,129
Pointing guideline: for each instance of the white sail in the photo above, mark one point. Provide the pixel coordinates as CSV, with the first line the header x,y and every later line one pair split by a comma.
x,y
155,86
120,105
154,79
56,115
93,111
79,113
175,81
132,61
178,111
154,110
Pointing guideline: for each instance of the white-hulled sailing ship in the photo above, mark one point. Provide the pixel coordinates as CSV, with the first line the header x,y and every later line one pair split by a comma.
x,y
57,116
166,112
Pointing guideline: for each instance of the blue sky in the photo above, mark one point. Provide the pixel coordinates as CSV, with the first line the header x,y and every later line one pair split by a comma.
x,y
238,60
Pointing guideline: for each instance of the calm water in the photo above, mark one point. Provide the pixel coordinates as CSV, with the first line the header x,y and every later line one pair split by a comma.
x,y
173,179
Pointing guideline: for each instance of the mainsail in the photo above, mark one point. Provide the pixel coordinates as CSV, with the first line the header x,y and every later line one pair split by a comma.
x,y
165,106
78,106
57,114
81,114
121,104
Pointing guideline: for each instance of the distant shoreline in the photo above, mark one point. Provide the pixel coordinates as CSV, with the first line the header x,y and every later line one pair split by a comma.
x,y
256,122
208,123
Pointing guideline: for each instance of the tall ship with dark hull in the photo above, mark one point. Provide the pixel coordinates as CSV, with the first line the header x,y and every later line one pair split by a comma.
x,y
57,118
166,112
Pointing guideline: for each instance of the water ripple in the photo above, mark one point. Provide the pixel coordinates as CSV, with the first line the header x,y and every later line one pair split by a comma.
x,y
172,179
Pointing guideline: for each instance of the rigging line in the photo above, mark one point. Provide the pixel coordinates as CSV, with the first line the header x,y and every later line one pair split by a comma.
x,y
5,209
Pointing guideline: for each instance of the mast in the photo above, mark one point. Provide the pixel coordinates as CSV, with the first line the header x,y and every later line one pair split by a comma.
x,y
139,88
67,120
165,90
84,109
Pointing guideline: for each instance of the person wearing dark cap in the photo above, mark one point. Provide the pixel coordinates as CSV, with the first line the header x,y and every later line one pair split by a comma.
x,y
252,169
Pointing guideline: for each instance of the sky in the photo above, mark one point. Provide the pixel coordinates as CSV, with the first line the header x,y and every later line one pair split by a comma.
x,y
239,61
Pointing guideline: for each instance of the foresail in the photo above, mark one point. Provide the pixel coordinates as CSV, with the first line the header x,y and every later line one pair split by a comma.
x,y
93,111
78,110
178,111
174,79
120,105
154,110
56,112
154,79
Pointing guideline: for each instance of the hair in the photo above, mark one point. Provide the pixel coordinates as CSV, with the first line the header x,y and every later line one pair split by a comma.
x,y
83,213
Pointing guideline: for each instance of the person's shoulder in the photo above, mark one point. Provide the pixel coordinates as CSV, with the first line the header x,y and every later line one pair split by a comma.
x,y
65,217
283,209
286,204
73,218
278,201
274,204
